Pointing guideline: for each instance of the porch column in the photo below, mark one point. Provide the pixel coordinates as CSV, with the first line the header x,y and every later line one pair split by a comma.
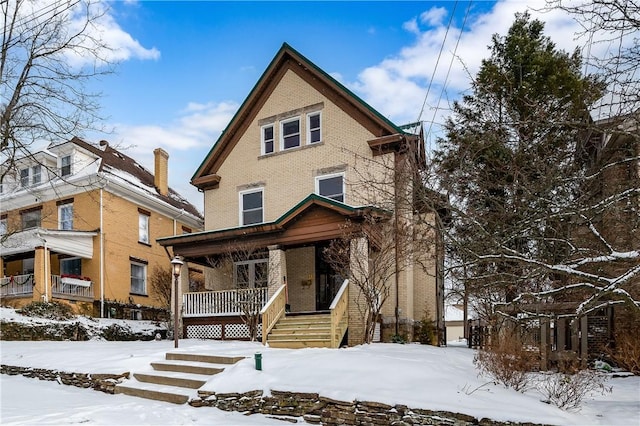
x,y
41,275
1,267
277,269
359,270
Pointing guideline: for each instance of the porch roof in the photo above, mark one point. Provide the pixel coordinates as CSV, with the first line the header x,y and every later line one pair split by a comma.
x,y
73,243
315,218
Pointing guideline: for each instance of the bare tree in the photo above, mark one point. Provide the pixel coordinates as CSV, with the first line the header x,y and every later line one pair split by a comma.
x,y
50,50
161,284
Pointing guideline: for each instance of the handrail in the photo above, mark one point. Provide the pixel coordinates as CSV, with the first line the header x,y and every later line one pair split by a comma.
x,y
273,311
338,311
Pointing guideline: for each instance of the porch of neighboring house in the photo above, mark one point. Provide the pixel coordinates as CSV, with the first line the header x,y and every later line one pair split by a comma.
x,y
282,281
43,265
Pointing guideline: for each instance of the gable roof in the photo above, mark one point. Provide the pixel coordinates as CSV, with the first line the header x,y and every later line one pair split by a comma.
x,y
113,161
288,59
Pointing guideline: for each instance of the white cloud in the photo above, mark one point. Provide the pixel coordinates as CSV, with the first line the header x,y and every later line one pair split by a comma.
x,y
103,38
397,86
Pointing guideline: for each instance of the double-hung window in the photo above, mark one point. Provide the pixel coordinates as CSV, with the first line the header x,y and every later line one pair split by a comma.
x,y
331,186
65,165
290,133
251,273
314,133
251,206
65,216
31,218
24,177
138,278
143,226
267,139
36,174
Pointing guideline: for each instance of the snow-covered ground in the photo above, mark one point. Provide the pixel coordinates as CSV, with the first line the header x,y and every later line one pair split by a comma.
x,y
415,375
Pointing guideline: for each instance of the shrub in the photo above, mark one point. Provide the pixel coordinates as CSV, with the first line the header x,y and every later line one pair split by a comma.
x,y
626,353
567,391
48,310
425,331
508,361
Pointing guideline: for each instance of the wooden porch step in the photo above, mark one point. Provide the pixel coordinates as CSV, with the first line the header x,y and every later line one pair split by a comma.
x,y
300,344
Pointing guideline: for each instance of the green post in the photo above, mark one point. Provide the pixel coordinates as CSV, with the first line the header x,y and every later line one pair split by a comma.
x,y
258,357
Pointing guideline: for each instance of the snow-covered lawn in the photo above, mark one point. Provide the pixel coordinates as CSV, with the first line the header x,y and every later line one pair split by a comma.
x,y
414,375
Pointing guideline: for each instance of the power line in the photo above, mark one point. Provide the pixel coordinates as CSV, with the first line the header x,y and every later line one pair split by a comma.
x,y
437,61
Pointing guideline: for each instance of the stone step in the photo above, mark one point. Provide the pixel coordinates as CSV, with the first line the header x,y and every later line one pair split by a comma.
x,y
175,395
213,359
173,378
188,367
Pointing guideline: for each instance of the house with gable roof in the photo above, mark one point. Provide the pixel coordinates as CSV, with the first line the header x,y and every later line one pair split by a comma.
x,y
78,224
302,160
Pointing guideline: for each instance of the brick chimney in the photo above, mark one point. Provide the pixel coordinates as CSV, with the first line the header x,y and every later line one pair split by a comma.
x,y
160,174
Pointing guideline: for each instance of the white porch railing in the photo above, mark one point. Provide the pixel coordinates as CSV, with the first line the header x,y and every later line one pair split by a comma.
x,y
339,310
273,311
224,302
71,288
16,285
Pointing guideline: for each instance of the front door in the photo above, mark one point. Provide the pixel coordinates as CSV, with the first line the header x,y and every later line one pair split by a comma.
x,y
327,281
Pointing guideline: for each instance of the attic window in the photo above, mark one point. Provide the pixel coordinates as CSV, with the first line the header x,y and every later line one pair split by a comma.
x,y
267,139
65,165
290,131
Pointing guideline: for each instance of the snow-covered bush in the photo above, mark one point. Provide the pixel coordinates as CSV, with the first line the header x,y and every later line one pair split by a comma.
x,y
567,391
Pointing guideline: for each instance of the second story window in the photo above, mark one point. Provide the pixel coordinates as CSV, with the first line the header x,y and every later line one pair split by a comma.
x,y
3,225
251,207
143,227
71,266
31,218
36,174
24,177
290,133
331,186
267,139
313,128
65,216
65,165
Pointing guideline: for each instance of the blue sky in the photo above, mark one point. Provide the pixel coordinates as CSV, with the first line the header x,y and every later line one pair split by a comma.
x,y
185,67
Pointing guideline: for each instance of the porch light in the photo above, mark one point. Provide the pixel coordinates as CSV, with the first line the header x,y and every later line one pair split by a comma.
x,y
176,265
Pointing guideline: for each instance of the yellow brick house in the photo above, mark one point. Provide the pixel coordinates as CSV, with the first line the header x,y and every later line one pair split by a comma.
x,y
78,224
302,161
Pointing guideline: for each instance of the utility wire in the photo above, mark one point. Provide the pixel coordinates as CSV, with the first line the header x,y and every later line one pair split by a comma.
x,y
437,61
446,79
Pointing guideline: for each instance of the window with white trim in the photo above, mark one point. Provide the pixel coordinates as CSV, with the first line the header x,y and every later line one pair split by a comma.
x,y
314,133
65,216
24,177
36,174
251,206
331,186
290,133
143,228
65,165
28,265
266,139
138,278
251,273
3,226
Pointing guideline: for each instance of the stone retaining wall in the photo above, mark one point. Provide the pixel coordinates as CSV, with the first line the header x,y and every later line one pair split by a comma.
x,y
316,409
290,406
100,382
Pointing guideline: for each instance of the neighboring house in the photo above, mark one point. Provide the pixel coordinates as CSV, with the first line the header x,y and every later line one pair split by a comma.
x,y
79,224
302,160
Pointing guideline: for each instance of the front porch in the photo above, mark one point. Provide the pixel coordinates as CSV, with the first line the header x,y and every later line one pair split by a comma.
x,y
68,288
227,314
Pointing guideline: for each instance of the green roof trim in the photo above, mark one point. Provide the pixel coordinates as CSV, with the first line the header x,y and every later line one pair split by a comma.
x,y
283,49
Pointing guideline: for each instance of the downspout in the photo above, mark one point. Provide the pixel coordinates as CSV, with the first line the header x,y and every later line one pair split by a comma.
x,y
101,259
